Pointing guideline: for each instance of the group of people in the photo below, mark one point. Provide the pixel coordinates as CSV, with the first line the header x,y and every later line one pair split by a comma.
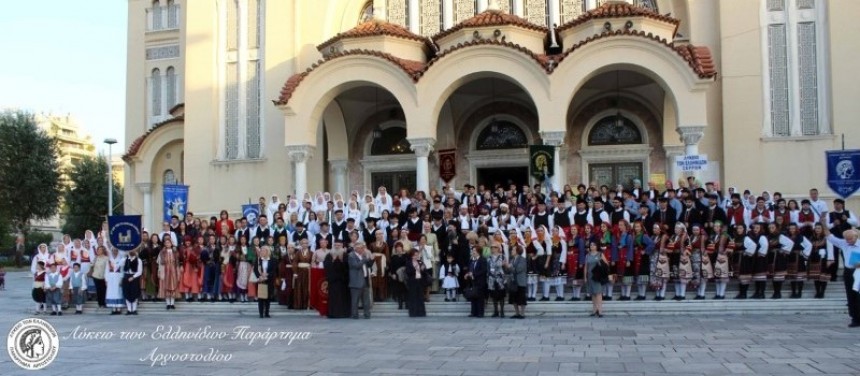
x,y
505,241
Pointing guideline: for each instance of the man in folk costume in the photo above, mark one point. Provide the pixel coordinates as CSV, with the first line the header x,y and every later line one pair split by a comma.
x,y
503,221
713,213
345,235
598,215
691,214
522,221
562,217
301,275
760,213
338,223
806,218
323,234
779,247
581,216
465,220
760,265
132,269
800,251
300,234
838,221
643,252
618,213
542,218
415,225
737,214
263,230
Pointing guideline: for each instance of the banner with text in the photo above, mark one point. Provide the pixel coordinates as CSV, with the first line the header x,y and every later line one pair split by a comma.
x,y
175,201
690,163
842,175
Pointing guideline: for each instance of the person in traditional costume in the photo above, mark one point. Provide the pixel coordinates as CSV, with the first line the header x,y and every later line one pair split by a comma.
x,y
168,273
244,269
698,243
555,271
209,256
285,252
43,255
416,282
800,252
301,275
779,246
820,260
643,250
660,269
337,277
191,268
39,287
149,255
53,290
229,266
380,251
78,288
62,260
321,252
428,258
433,243
266,272
674,248
113,279
448,273
132,270
719,258
534,249
623,254
760,264
84,256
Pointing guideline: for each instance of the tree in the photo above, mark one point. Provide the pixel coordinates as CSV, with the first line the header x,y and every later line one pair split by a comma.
x,y
85,200
29,171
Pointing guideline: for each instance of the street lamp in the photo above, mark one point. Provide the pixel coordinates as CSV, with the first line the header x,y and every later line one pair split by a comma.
x,y
110,142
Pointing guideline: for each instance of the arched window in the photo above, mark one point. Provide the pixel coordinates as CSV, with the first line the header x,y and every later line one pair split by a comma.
x,y
172,15
614,130
390,141
501,134
156,16
169,177
170,81
156,92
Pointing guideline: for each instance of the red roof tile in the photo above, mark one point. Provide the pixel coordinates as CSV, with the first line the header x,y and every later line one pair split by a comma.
x,y
374,28
491,18
410,67
138,142
618,9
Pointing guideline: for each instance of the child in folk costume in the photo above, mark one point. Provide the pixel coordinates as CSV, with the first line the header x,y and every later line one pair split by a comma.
x,y
575,262
149,255
63,262
83,256
209,257
448,274
554,266
533,251
624,254
779,246
113,279
132,269
39,287
54,290
252,257
698,243
820,260
800,252
717,254
243,272
675,247
78,288
168,273
606,245
229,263
190,269
643,249
760,265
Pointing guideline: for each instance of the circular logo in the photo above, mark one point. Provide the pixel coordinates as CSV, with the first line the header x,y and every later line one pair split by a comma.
x,y
33,343
845,169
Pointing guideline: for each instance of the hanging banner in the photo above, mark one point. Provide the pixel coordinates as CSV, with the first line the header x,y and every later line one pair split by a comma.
x,y
541,161
319,291
842,174
447,164
690,163
251,212
124,231
175,201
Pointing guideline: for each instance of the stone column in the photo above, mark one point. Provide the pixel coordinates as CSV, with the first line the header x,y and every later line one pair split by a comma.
x,y
518,8
690,136
147,222
556,139
422,148
554,14
672,171
300,154
339,169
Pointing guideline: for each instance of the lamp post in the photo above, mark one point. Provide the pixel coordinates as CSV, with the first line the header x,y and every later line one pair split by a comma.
x,y
110,142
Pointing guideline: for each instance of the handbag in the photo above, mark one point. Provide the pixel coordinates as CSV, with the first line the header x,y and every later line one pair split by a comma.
x,y
263,290
470,293
601,272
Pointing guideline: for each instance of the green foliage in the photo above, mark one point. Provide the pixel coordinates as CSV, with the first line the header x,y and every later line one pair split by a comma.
x,y
34,239
86,199
29,171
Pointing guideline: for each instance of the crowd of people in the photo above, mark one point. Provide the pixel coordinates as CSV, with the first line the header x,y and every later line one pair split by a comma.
x,y
504,244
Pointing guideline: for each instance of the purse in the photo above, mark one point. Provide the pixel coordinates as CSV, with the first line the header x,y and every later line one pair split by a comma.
x,y
470,293
263,291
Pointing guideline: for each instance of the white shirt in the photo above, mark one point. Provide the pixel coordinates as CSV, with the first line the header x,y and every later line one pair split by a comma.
x,y
847,249
818,206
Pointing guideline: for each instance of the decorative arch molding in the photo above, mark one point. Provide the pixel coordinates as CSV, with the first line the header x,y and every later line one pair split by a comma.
x,y
335,130
149,146
594,119
487,122
384,126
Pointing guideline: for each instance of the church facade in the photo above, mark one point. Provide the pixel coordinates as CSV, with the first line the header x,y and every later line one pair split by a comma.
x,y
244,98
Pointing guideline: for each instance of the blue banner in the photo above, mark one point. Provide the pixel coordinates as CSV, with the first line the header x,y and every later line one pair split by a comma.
x,y
175,201
124,231
251,212
843,175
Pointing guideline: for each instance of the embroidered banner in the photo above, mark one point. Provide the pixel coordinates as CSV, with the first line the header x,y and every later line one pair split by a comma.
x,y
251,212
124,231
319,291
447,164
842,175
175,201
541,160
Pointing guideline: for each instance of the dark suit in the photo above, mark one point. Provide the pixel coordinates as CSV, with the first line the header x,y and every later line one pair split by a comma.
x,y
666,219
478,268
270,269
358,281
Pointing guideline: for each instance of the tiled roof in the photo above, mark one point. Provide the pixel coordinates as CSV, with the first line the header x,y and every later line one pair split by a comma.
x,y
618,9
374,28
138,142
491,18
410,67
540,60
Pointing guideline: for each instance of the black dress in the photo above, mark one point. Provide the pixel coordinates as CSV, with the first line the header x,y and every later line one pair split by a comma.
x,y
396,287
337,276
415,287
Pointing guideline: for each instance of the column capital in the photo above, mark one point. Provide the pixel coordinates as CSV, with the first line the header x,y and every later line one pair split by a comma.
x,y
691,135
422,146
144,187
673,150
338,165
553,138
300,153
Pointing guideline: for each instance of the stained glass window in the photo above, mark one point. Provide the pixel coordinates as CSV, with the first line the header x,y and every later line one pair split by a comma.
x,y
501,135
390,141
614,130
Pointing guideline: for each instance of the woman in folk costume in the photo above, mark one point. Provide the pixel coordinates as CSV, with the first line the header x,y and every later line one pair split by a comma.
x,y
658,282
556,272
285,251
383,200
796,268
63,262
89,241
301,275
353,212
499,237
674,247
429,257
606,245
319,203
543,257
534,249
576,251
190,269
719,258
624,253
396,275
251,257
779,246
149,255
42,255
168,273
433,242
643,249
229,266
380,251
39,286
84,254
113,278
820,260
698,243
243,271
210,264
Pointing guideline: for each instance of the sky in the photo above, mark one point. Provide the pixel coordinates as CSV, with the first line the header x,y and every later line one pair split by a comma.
x,y
67,57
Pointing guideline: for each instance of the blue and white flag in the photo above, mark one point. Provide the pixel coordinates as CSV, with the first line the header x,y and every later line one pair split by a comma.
x,y
124,231
175,201
843,171
251,212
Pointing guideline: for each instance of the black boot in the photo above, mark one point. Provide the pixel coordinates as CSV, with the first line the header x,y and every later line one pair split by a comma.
x,y
495,309
793,290
799,289
742,294
777,290
759,289
823,288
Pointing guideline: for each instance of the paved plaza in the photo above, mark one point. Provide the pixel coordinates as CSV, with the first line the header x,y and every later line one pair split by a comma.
x,y
613,345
